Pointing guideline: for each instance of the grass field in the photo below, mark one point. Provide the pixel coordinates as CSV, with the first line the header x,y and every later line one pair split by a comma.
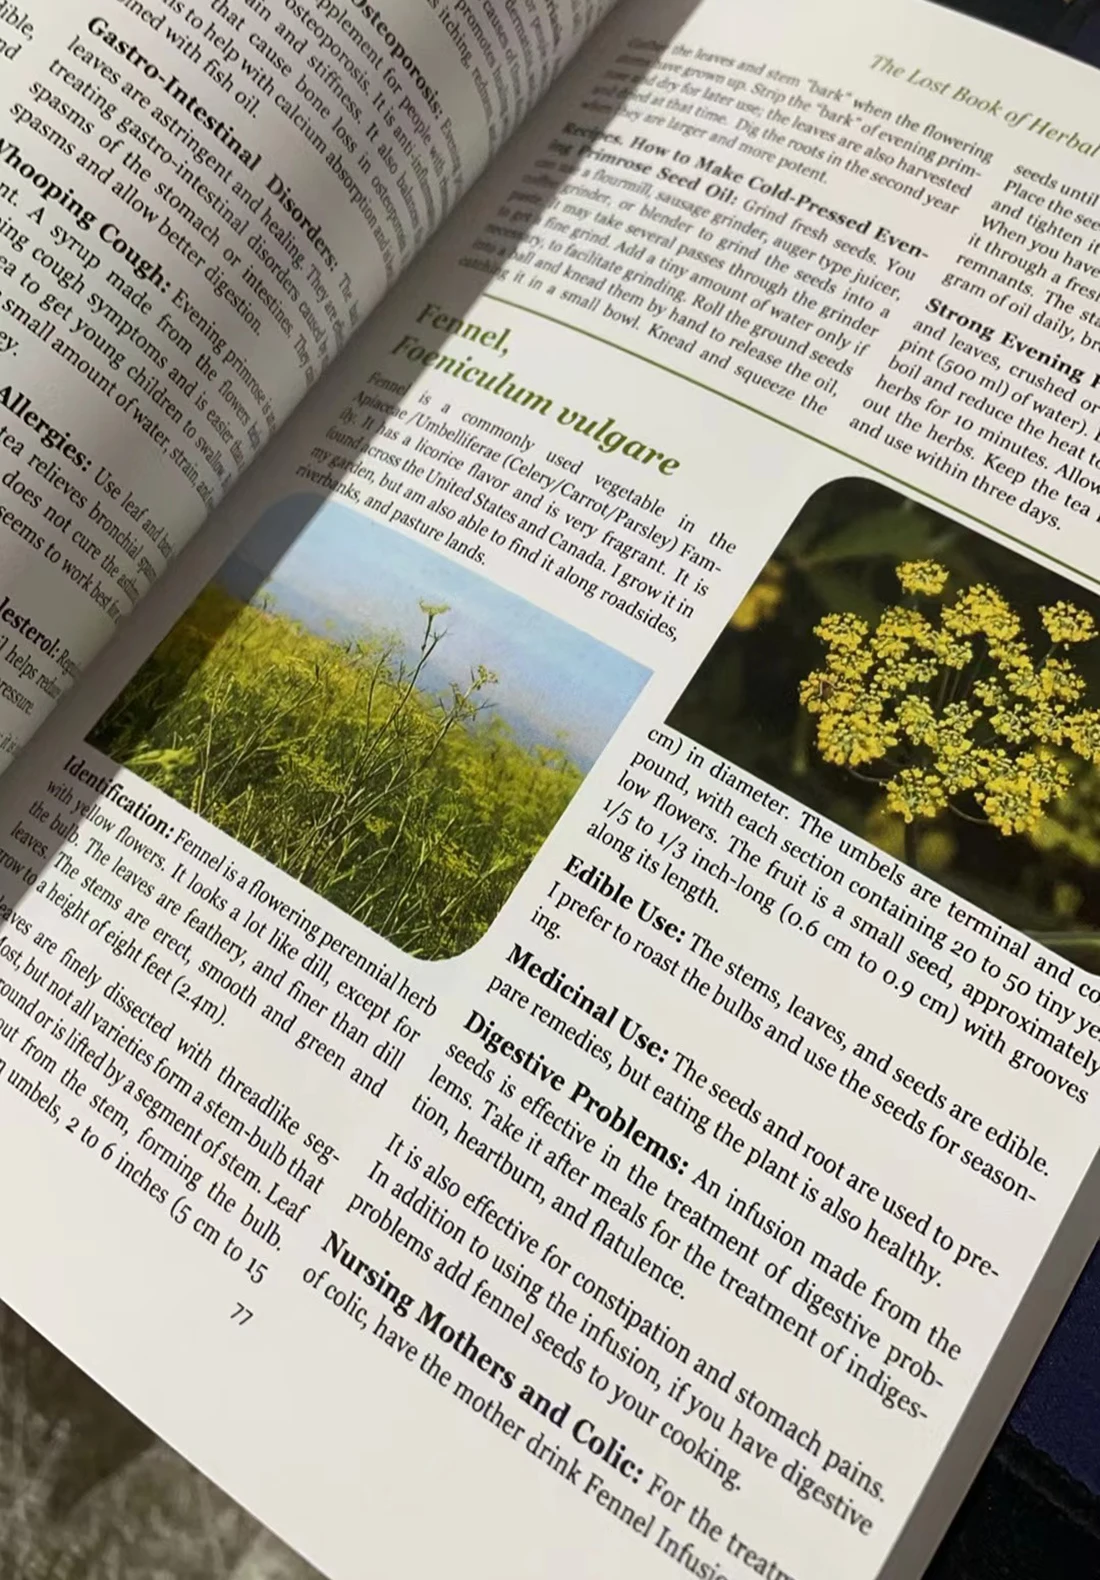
x,y
411,808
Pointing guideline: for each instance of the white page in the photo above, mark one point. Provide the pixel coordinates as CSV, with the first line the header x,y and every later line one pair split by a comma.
x,y
887,1080
200,203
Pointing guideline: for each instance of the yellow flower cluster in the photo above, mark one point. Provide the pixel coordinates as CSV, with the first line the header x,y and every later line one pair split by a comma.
x,y
922,576
1076,829
955,706
1064,623
763,599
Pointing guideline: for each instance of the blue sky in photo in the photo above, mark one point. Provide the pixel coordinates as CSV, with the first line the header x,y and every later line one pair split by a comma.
x,y
341,572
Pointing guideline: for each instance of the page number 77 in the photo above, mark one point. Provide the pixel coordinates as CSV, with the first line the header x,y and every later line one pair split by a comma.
x,y
241,1315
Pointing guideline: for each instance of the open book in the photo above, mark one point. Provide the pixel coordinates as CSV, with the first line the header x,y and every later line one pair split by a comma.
x,y
550,948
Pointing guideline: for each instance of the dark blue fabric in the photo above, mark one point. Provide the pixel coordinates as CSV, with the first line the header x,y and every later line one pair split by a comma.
x,y
1059,1409
1037,19
1086,41
1034,1510
1024,1519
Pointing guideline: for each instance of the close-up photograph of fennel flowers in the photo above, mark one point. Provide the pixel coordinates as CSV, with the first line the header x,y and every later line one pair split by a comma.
x,y
929,689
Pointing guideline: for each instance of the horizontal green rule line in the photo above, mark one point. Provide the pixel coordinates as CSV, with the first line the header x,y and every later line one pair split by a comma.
x,y
735,400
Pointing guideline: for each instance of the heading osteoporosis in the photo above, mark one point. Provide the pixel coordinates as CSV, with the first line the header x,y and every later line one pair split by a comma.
x,y
601,431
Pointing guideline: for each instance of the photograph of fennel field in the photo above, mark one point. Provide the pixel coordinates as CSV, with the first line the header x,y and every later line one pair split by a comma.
x,y
89,1493
385,725
929,689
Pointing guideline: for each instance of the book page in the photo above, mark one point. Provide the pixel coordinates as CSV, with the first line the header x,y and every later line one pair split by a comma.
x,y
198,204
566,981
